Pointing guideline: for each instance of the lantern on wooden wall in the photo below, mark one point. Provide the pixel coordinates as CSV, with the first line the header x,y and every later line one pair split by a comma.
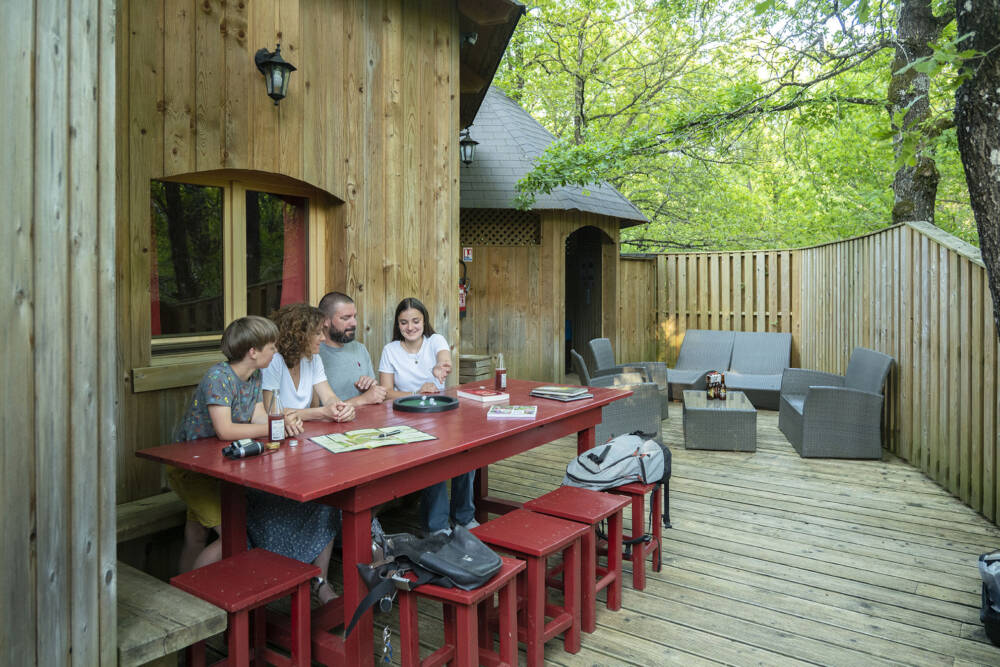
x,y
276,72
467,148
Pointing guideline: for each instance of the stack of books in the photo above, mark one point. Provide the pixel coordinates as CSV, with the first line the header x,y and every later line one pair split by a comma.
x,y
475,367
562,392
483,395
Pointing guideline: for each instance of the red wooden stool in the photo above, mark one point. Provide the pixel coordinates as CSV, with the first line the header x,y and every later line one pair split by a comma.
x,y
591,507
247,582
637,492
466,638
532,538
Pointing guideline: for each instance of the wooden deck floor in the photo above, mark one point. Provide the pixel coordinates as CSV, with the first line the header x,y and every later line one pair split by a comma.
x,y
776,560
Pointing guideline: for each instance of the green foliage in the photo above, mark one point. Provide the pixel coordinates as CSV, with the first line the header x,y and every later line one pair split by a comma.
x,y
697,112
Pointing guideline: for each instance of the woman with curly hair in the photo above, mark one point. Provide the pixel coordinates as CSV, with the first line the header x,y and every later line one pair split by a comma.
x,y
297,370
303,531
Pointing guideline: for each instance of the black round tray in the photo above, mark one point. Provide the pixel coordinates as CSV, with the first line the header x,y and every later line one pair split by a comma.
x,y
425,403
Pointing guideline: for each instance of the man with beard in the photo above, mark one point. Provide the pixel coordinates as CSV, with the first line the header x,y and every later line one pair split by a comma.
x,y
348,365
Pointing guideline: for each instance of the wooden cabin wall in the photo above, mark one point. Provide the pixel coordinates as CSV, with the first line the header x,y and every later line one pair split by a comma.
x,y
57,592
370,122
517,303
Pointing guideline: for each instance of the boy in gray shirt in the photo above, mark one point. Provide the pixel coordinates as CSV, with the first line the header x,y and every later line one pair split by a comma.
x,y
348,365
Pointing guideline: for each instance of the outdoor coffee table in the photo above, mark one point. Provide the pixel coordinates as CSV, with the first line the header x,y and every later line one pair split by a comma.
x,y
729,425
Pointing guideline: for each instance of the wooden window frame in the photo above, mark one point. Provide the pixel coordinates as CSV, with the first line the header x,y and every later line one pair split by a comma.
x,y
180,368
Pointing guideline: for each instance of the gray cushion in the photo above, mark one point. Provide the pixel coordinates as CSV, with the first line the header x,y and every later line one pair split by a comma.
x,y
740,381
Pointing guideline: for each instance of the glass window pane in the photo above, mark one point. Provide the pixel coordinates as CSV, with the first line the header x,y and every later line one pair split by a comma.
x,y
186,277
276,251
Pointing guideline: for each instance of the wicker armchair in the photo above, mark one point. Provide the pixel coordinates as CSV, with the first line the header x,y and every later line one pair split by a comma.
x,y
654,371
833,416
638,412
701,351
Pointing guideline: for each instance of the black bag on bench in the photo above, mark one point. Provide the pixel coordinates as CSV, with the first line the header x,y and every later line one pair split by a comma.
x,y
459,560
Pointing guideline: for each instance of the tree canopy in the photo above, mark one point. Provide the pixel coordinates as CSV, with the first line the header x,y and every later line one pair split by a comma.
x,y
743,124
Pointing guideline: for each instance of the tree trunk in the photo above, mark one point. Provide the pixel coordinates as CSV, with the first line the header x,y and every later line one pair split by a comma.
x,y
578,90
977,121
915,188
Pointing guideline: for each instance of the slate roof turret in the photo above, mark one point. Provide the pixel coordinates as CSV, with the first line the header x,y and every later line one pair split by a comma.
x,y
510,141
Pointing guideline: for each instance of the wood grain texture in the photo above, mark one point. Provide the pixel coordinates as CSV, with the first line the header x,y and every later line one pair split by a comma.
x,y
57,597
18,603
367,130
155,619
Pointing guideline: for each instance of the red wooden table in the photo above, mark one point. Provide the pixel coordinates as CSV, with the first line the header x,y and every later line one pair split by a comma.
x,y
356,482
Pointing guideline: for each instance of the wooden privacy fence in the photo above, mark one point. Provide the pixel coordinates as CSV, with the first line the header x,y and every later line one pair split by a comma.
x,y
911,291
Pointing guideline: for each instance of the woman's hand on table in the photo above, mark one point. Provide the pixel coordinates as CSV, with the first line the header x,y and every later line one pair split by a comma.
x,y
340,411
293,423
428,388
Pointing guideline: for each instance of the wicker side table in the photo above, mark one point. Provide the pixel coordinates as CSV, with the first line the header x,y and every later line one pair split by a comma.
x,y
729,425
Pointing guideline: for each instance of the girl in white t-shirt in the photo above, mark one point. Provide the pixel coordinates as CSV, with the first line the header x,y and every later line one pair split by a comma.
x,y
303,531
418,360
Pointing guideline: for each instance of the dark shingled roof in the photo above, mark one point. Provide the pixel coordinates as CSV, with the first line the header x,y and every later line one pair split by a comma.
x,y
509,142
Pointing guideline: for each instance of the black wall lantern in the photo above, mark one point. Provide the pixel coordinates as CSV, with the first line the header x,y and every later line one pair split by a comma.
x,y
467,148
276,72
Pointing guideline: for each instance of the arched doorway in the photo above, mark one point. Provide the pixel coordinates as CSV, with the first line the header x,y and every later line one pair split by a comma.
x,y
584,288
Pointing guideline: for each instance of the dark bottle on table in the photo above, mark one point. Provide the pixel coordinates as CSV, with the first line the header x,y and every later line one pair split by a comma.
x,y
721,391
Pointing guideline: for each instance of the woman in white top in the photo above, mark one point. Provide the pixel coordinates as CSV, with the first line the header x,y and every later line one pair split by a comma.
x,y
303,531
297,370
418,360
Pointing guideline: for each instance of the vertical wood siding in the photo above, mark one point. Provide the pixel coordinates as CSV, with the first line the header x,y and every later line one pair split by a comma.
x,y
910,291
517,304
371,118
57,593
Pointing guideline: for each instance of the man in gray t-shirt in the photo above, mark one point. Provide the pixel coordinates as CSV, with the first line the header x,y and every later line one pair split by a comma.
x,y
347,362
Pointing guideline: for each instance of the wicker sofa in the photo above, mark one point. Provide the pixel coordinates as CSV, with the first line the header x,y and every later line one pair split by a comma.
x,y
753,362
836,416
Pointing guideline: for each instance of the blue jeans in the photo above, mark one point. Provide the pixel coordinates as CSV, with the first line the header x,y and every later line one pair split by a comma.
x,y
434,505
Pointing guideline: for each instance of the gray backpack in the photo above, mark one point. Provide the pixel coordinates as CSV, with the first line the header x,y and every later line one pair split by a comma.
x,y
622,460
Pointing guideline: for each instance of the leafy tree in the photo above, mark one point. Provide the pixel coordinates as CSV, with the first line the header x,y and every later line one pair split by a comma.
x,y
977,108
767,130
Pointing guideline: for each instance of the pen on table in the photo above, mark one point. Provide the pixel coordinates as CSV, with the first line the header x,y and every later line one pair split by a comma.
x,y
388,433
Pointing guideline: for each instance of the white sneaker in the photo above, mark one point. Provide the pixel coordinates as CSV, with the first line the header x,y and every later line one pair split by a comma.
x,y
442,531
469,526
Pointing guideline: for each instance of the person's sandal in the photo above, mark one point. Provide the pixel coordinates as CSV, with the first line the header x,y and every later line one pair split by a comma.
x,y
316,585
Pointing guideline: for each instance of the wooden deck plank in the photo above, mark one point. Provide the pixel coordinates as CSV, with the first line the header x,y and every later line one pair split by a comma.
x,y
776,559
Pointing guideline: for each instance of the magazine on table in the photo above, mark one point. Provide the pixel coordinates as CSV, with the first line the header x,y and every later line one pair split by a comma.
x,y
512,412
370,438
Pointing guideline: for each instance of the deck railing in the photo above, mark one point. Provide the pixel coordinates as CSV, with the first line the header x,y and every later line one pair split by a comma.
x,y
910,291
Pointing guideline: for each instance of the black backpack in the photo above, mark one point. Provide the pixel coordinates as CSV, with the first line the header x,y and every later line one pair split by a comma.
x,y
459,560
